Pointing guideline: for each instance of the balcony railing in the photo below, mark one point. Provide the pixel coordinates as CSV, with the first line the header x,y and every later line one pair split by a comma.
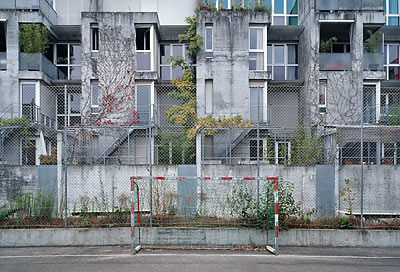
x,y
30,111
41,5
3,60
373,61
338,5
334,61
38,62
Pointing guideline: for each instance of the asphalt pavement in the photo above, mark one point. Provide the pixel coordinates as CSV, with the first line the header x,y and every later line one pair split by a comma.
x,y
116,258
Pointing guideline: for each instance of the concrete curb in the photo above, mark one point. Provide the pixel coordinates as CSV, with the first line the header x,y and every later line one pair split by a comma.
x,y
176,237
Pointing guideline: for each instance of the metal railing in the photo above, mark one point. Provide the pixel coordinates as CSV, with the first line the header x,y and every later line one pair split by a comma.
x,y
334,61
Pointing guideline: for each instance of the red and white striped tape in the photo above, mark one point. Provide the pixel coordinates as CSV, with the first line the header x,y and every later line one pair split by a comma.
x,y
198,178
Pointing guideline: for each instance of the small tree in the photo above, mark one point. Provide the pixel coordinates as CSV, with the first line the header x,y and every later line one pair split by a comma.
x,y
325,46
33,38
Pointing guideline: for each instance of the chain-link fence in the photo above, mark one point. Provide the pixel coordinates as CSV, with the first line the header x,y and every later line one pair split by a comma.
x,y
335,168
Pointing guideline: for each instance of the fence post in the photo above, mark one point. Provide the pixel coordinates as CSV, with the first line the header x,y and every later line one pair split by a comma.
x,y
258,168
65,154
362,157
151,174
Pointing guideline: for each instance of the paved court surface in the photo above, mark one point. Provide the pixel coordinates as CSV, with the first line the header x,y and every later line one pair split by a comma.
x,y
118,259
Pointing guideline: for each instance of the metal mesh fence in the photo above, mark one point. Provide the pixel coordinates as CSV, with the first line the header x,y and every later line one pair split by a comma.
x,y
82,170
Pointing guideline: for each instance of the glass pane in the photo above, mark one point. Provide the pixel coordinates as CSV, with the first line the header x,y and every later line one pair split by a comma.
x,y
143,60
60,104
292,20
256,61
393,54
75,121
62,54
279,20
292,54
322,93
75,103
385,53
165,72
63,72
75,72
28,94
279,54
177,50
75,53
95,94
292,73
393,7
291,7
269,54
256,38
394,73
278,8
279,73
143,38
165,53
393,21
209,36
177,72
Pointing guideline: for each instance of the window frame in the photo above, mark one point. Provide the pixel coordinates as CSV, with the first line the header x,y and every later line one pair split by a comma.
x,y
387,65
322,107
70,115
262,50
285,63
4,21
94,26
94,107
171,45
388,15
285,15
151,50
68,64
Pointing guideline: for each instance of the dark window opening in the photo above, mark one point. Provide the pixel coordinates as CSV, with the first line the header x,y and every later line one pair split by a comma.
x,y
94,29
29,152
3,46
253,150
142,38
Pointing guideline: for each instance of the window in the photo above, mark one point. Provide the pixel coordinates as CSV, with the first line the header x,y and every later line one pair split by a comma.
x,y
30,97
94,97
168,50
390,153
253,149
143,101
322,96
256,48
209,96
392,64
370,103
390,103
256,104
143,48
73,110
68,60
28,151
284,12
209,41
392,12
94,37
283,61
3,46
282,152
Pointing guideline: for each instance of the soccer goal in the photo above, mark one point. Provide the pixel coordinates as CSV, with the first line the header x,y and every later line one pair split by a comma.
x,y
204,213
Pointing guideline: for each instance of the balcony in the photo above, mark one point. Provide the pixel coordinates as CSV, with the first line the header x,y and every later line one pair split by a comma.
x,y
334,61
349,5
38,62
373,61
32,5
3,60
31,112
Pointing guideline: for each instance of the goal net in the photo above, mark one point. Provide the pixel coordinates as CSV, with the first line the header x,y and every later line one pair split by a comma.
x,y
216,213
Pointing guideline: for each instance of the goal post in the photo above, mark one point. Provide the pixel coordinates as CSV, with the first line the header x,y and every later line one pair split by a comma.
x,y
214,213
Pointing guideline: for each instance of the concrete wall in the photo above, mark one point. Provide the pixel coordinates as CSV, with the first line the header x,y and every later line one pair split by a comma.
x,y
16,179
202,237
69,12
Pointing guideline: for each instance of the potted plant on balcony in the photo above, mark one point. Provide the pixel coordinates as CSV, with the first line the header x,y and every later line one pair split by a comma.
x,y
33,41
325,46
372,45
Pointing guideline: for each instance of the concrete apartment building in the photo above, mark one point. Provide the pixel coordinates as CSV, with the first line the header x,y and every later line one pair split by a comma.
x,y
266,66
